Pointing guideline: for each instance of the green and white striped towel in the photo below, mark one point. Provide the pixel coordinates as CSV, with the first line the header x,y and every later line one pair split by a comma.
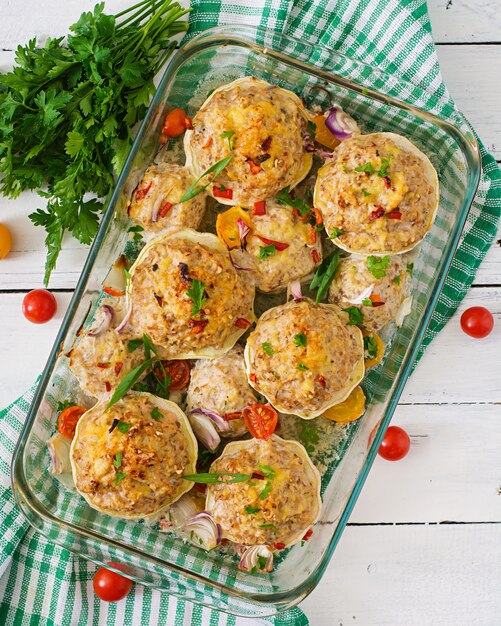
x,y
41,583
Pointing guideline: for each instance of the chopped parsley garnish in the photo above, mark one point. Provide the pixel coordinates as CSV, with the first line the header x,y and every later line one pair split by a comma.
x,y
215,479
300,340
64,405
123,427
271,527
365,192
267,348
336,232
266,490
345,169
368,168
302,366
137,230
377,265
228,134
410,269
396,280
251,510
367,302
325,275
370,346
261,562
196,294
134,344
312,130
269,473
156,414
266,251
119,476
284,197
356,316
117,461
194,189
382,172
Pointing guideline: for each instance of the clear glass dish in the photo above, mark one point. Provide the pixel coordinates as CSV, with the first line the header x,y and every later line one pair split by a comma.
x,y
379,102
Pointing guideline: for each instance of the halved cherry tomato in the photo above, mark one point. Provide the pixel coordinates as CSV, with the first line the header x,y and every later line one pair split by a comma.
x,y
39,306
222,193
176,123
110,586
67,420
261,420
178,372
395,445
323,135
5,241
477,321
227,226
279,246
259,208
349,410
375,360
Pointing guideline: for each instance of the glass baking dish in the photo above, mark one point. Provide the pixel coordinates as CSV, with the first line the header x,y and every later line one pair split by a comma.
x,y
379,102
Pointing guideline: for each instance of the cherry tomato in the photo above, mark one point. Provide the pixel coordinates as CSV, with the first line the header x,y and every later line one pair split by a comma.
x,y
67,420
395,444
5,241
175,123
110,586
39,306
477,322
261,420
177,371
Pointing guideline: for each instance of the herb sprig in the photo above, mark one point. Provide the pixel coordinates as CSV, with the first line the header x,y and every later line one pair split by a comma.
x,y
325,275
194,189
68,107
196,294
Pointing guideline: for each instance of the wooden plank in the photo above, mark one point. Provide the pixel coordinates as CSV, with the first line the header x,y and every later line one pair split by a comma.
x,y
455,21
457,368
489,272
412,576
452,471
471,74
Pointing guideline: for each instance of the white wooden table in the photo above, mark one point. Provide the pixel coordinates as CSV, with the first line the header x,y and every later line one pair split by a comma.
x,y
423,546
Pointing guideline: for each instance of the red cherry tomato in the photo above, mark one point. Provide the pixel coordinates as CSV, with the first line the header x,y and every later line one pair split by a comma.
x,y
177,371
67,420
110,586
395,444
39,306
261,420
477,322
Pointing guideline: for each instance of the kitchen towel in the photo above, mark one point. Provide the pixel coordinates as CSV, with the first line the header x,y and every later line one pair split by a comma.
x,y
41,583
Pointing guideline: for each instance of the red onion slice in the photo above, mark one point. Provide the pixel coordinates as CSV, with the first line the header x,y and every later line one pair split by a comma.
x,y
181,511
125,321
108,314
243,231
203,531
205,431
156,208
340,124
295,289
249,559
218,419
239,267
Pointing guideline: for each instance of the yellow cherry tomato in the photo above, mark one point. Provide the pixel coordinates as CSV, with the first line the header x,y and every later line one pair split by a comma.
x,y
323,134
227,225
373,361
5,241
350,410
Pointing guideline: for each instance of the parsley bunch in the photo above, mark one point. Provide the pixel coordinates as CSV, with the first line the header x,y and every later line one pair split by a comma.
x,y
67,109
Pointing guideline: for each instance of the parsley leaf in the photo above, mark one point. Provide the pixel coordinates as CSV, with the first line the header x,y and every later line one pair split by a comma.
x,y
410,269
156,414
267,488
365,192
266,251
266,470
119,476
302,366
261,562
123,427
228,134
117,461
368,168
370,346
300,339
383,170
251,510
377,265
194,189
284,197
196,294
64,405
336,232
134,344
356,316
396,280
312,129
267,348
271,527
367,302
